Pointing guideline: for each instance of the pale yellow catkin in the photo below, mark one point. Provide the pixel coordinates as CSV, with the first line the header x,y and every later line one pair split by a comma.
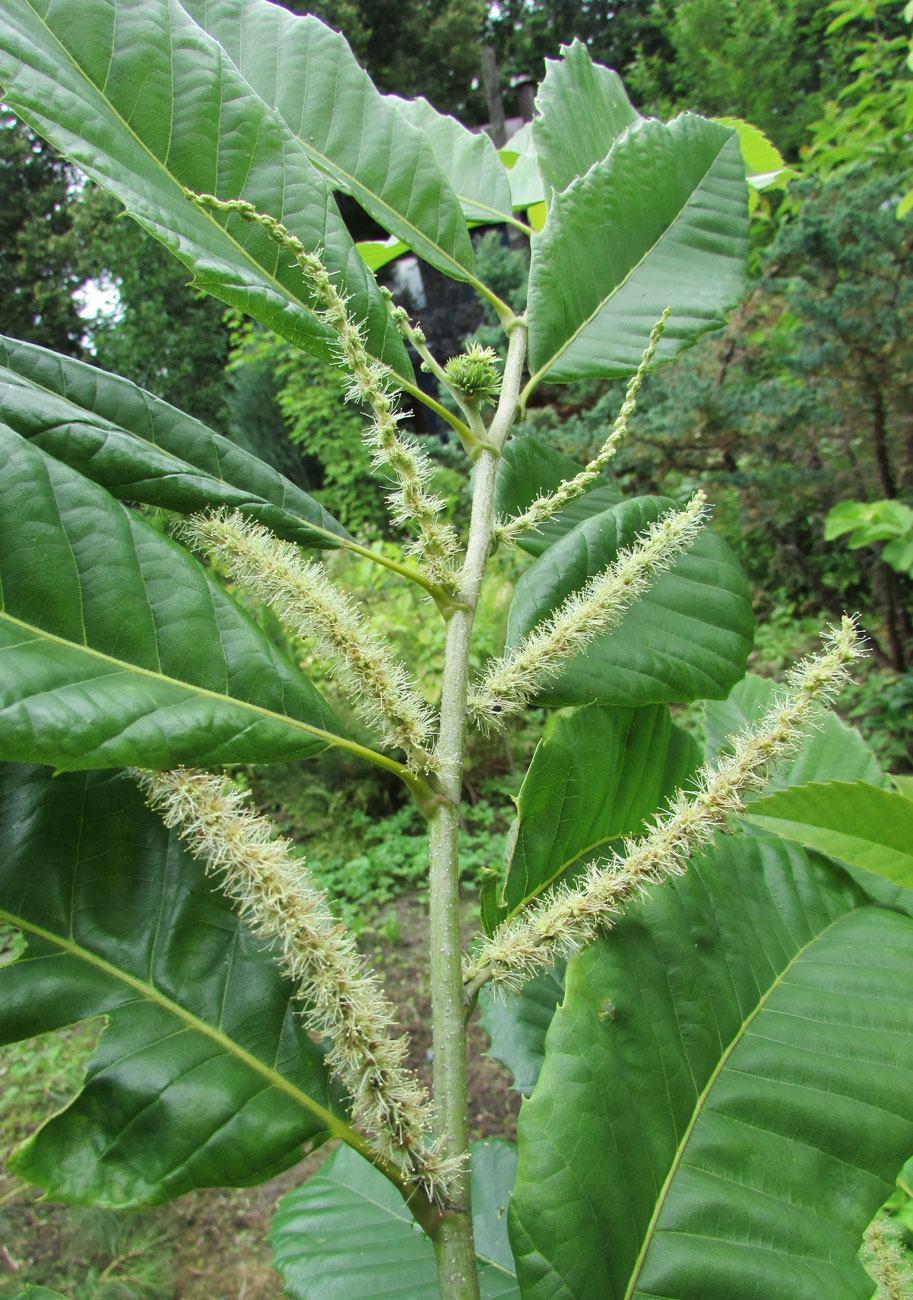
x,y
886,1261
309,604
375,385
572,915
342,1000
508,530
511,681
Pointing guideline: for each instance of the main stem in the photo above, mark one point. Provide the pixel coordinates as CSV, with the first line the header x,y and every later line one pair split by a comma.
x,y
454,1248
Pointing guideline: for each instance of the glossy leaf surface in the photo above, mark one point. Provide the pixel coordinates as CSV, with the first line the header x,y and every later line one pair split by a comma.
x,y
306,71
529,467
725,1098
830,751
117,648
142,449
662,221
203,1076
145,102
598,776
855,822
687,639
346,1234
582,109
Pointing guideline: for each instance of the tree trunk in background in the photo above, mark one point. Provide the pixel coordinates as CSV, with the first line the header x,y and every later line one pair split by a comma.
x,y
493,95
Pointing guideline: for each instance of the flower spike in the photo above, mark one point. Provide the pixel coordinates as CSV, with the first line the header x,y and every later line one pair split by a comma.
x,y
278,898
308,603
510,682
573,915
373,384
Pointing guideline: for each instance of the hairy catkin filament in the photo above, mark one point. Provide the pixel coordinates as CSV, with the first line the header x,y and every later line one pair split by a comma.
x,y
510,682
342,1001
573,915
542,509
309,604
373,384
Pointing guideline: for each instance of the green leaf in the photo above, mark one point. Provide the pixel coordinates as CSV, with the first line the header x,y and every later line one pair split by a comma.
x,y
346,1234
598,776
145,102
662,221
688,639
142,449
582,110
765,167
204,1075
306,71
468,159
831,751
38,1293
117,648
517,1023
525,180
378,252
529,467
858,823
730,1127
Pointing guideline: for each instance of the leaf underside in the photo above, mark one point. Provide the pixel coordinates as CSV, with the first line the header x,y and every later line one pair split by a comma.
x,y
203,1076
346,1234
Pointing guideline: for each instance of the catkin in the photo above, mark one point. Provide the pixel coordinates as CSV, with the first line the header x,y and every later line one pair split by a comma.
x,y
507,531
373,384
309,604
511,681
278,898
572,916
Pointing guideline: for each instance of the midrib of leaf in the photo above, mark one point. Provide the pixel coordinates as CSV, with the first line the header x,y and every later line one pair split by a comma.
x,y
281,288
149,991
534,379
701,1100
125,666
